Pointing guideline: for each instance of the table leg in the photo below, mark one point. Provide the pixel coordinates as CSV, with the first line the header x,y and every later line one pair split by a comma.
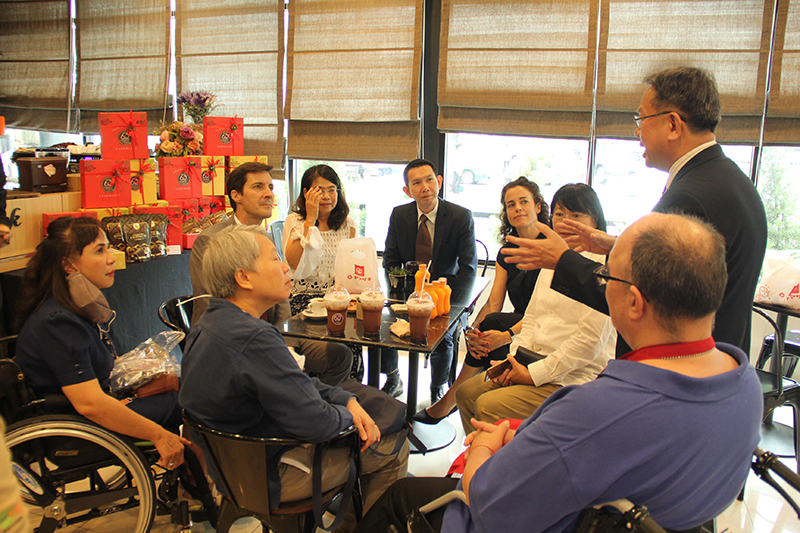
x,y
411,392
374,369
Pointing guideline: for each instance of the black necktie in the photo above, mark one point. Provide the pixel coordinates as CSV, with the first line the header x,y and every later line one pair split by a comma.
x,y
423,241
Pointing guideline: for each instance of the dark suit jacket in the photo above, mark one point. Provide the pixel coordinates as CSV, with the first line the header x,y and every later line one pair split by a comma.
x,y
453,252
275,315
713,188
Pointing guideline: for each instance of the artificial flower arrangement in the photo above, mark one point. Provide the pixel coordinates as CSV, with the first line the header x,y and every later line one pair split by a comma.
x,y
197,104
178,139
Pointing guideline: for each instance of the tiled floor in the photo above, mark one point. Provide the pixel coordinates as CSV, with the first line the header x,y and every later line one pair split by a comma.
x,y
763,509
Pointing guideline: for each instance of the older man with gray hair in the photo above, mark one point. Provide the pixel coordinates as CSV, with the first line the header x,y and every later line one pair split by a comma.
x,y
239,376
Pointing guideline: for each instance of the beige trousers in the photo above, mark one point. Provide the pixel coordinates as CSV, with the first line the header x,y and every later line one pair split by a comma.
x,y
487,401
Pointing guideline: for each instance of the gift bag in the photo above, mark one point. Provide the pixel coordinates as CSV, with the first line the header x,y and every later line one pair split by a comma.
x,y
780,279
356,266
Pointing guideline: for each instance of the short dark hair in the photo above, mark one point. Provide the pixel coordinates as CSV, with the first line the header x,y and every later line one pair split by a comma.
x,y
681,273
580,198
692,91
544,214
238,178
416,164
44,275
338,216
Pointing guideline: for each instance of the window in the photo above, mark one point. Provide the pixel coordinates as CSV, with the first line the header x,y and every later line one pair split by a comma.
x,y
478,166
780,192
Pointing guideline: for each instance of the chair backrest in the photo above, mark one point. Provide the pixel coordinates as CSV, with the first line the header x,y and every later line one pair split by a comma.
x,y
241,462
777,383
8,346
276,230
485,256
14,392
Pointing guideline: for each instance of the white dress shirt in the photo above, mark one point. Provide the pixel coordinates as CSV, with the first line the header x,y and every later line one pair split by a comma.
x,y
577,340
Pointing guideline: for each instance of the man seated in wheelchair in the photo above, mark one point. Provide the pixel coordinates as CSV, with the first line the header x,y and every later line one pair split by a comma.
x,y
671,426
63,347
238,375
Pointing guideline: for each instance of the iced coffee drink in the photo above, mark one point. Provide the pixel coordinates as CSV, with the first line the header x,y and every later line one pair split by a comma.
x,y
372,301
337,299
420,305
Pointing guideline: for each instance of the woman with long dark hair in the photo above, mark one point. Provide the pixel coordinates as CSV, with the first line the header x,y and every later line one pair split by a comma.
x,y
312,233
492,331
63,346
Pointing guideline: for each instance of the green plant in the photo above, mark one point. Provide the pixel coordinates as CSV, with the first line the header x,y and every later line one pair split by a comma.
x,y
397,271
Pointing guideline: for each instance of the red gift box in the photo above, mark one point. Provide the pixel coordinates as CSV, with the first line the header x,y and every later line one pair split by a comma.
x,y
105,183
223,136
188,239
191,208
216,203
124,135
174,214
47,218
179,178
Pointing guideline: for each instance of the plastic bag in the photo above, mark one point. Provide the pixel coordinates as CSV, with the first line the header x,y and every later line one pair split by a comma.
x,y
146,362
357,265
780,279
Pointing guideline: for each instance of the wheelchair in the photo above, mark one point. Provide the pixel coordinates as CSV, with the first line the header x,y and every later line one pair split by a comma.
x,y
71,470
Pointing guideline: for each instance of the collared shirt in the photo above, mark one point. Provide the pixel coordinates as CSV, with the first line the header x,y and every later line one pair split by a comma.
x,y
239,222
431,218
678,165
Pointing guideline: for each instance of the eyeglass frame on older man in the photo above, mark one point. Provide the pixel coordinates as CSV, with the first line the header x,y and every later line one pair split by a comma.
x,y
638,120
603,277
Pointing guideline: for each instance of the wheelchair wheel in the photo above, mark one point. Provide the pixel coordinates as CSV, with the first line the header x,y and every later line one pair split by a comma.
x,y
71,471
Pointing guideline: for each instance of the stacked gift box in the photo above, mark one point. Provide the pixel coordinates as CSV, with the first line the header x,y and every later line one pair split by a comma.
x,y
122,191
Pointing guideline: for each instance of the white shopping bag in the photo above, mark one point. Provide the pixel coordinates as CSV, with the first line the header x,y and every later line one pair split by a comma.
x,y
780,279
357,265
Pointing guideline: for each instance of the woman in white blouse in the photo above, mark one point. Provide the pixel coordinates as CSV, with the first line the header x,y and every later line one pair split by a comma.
x,y
312,233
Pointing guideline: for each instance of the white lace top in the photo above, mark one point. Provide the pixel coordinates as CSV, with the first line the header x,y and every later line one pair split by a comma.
x,y
320,248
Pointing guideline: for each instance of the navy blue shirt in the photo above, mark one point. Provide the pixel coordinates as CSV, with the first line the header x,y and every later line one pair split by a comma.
x,y
57,348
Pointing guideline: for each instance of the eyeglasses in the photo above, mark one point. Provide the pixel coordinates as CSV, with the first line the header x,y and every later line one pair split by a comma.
x,y
571,216
330,191
638,120
603,277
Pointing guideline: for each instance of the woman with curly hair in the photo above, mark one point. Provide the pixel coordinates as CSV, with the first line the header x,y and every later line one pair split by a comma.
x,y
490,335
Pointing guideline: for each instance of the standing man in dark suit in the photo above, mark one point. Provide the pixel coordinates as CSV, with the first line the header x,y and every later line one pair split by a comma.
x,y
250,192
675,123
429,229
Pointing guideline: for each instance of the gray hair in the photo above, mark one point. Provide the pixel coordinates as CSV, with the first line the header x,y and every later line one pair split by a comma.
x,y
233,248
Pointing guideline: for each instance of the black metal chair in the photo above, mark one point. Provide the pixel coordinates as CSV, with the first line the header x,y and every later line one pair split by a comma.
x,y
791,352
485,256
777,389
276,230
176,313
242,466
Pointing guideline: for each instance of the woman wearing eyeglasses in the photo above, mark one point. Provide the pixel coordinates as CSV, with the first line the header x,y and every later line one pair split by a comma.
x,y
312,233
577,341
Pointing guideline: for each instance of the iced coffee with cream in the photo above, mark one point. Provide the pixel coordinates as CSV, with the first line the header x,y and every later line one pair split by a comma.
x,y
372,301
337,299
420,305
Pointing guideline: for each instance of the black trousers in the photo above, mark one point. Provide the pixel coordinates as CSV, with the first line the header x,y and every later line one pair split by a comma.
x,y
401,498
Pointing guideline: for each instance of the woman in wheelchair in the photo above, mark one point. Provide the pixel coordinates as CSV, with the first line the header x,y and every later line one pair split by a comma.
x,y
63,346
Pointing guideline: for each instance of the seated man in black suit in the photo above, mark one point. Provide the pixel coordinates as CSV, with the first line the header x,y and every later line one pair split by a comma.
x,y
250,192
447,240
675,123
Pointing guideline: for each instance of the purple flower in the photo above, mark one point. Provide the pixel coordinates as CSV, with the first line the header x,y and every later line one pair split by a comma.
x,y
187,133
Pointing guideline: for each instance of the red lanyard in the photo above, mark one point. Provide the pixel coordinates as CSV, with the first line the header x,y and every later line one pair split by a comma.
x,y
671,351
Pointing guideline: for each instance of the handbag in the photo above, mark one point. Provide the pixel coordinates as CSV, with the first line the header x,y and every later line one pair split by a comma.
x,y
356,266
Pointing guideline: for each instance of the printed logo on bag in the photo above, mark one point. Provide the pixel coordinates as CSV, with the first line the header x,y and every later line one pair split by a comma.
x,y
206,176
124,138
337,319
108,184
794,294
225,137
183,179
135,183
359,274
359,270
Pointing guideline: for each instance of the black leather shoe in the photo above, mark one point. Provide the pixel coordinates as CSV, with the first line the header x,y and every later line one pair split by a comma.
x,y
437,393
393,386
424,418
